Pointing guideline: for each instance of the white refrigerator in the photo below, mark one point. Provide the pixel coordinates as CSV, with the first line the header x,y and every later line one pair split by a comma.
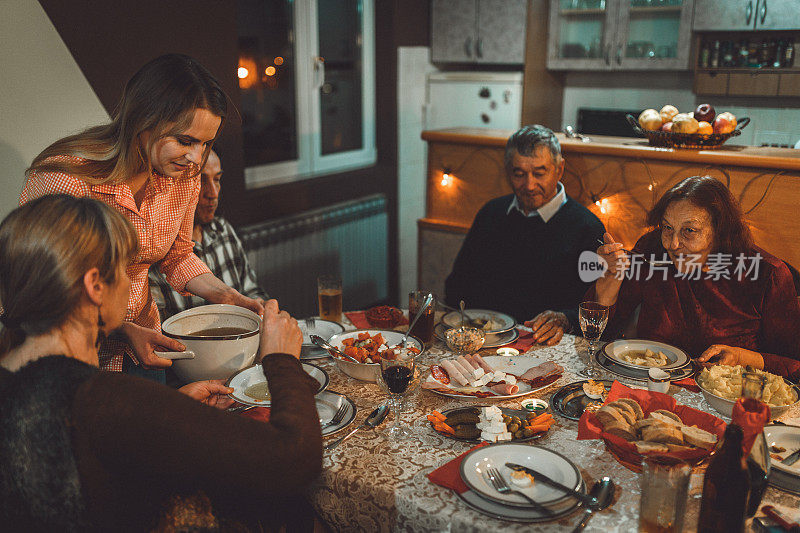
x,y
474,99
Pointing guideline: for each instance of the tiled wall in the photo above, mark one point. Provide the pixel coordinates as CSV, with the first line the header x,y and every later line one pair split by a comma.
x,y
413,65
773,120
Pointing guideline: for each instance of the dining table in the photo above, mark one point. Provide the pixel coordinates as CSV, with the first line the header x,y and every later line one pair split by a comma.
x,y
372,483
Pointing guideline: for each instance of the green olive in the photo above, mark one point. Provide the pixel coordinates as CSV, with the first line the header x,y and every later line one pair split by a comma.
x,y
519,434
506,419
516,420
531,416
513,428
527,432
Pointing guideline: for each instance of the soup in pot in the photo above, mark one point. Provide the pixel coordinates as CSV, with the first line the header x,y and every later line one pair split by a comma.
x,y
220,332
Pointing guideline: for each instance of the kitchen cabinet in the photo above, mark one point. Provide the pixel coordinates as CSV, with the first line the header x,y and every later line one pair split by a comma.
x,y
619,34
735,15
753,84
478,31
789,85
713,83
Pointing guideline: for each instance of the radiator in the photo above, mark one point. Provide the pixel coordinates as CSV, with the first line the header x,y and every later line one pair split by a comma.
x,y
349,239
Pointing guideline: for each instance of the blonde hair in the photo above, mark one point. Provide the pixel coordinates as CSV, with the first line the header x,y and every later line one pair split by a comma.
x,y
46,246
160,98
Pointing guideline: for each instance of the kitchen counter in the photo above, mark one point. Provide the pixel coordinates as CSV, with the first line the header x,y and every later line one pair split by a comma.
x,y
727,154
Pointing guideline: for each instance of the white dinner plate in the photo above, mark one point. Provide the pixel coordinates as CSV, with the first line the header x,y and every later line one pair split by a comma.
x,y
636,374
677,357
325,329
501,321
492,341
787,437
515,364
514,514
548,462
328,402
253,375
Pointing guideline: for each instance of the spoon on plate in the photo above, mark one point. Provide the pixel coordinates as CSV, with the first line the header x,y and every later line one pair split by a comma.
x,y
373,420
325,345
603,492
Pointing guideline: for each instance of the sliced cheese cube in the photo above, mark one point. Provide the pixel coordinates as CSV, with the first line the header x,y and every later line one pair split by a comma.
x,y
477,373
491,412
511,380
499,376
489,436
503,436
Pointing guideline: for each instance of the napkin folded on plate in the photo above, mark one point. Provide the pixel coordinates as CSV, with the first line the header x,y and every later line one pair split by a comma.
x,y
589,427
449,474
360,321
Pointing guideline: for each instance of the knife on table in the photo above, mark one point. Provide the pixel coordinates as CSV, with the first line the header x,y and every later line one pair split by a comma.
x,y
791,458
584,498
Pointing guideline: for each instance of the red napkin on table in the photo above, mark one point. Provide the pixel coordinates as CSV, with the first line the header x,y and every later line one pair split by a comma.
x,y
589,427
359,320
257,413
449,474
524,342
688,384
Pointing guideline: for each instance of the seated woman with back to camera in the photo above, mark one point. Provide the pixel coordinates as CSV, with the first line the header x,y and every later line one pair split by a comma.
x,y
82,449
717,296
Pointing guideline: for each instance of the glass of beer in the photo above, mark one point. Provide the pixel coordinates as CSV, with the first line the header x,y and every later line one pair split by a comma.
x,y
423,329
329,295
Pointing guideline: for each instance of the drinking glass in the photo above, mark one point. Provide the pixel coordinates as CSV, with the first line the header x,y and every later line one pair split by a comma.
x,y
423,329
329,295
593,318
665,485
397,372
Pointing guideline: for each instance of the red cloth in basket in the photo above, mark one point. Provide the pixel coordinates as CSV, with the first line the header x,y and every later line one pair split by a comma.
x,y
589,427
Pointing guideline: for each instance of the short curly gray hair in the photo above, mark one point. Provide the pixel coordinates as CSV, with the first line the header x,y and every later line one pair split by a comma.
x,y
525,140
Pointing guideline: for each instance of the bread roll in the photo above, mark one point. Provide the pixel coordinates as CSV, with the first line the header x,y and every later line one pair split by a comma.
x,y
621,429
644,447
669,414
608,415
633,404
679,448
647,422
699,437
665,434
625,410
664,419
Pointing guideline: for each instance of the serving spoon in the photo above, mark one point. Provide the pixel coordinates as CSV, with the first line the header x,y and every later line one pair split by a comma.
x,y
325,345
425,304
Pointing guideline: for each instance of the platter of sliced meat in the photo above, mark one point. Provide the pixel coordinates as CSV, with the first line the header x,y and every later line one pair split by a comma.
x,y
491,377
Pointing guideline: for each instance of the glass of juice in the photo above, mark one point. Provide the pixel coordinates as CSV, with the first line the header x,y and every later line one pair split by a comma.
x,y
329,295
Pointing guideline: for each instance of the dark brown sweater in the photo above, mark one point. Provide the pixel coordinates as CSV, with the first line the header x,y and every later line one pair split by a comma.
x,y
132,443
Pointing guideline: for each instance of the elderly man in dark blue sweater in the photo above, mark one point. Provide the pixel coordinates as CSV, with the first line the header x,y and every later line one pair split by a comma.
x,y
521,254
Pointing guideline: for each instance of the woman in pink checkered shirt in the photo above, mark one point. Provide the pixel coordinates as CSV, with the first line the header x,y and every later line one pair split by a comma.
x,y
146,164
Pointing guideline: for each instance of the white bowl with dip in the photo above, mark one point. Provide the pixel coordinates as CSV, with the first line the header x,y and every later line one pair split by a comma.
x,y
220,339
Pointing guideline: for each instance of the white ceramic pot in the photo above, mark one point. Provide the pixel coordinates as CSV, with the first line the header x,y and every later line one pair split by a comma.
x,y
212,357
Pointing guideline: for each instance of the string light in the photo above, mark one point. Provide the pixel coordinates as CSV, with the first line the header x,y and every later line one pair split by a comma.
x,y
279,61
603,205
242,72
447,179
269,71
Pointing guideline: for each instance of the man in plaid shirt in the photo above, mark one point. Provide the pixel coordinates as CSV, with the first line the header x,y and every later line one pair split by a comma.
x,y
215,243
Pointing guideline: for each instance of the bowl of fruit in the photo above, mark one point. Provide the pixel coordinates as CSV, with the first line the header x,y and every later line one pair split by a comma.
x,y
702,128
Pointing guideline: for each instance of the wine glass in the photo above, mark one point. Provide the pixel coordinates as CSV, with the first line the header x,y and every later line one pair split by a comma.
x,y
397,372
593,318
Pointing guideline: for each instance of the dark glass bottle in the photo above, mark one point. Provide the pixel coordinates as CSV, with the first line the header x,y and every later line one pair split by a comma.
x,y
727,54
705,55
752,414
715,55
788,54
744,50
725,487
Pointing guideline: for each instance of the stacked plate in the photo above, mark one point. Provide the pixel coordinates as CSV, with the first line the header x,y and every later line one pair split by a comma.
x,y
482,496
328,403
784,476
679,366
324,328
499,328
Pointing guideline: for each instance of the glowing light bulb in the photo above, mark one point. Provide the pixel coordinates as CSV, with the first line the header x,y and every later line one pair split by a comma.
x,y
269,71
446,180
650,187
597,203
279,61
242,72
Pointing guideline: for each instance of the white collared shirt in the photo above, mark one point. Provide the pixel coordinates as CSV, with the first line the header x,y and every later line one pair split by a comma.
x,y
547,211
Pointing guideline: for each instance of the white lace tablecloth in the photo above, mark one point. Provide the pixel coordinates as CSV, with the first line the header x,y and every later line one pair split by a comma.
x,y
369,483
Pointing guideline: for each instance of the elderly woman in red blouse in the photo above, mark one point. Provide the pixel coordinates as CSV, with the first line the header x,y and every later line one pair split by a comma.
x,y
718,296
146,164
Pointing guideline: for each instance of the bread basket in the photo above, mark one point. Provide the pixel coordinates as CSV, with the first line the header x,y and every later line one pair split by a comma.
x,y
699,141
